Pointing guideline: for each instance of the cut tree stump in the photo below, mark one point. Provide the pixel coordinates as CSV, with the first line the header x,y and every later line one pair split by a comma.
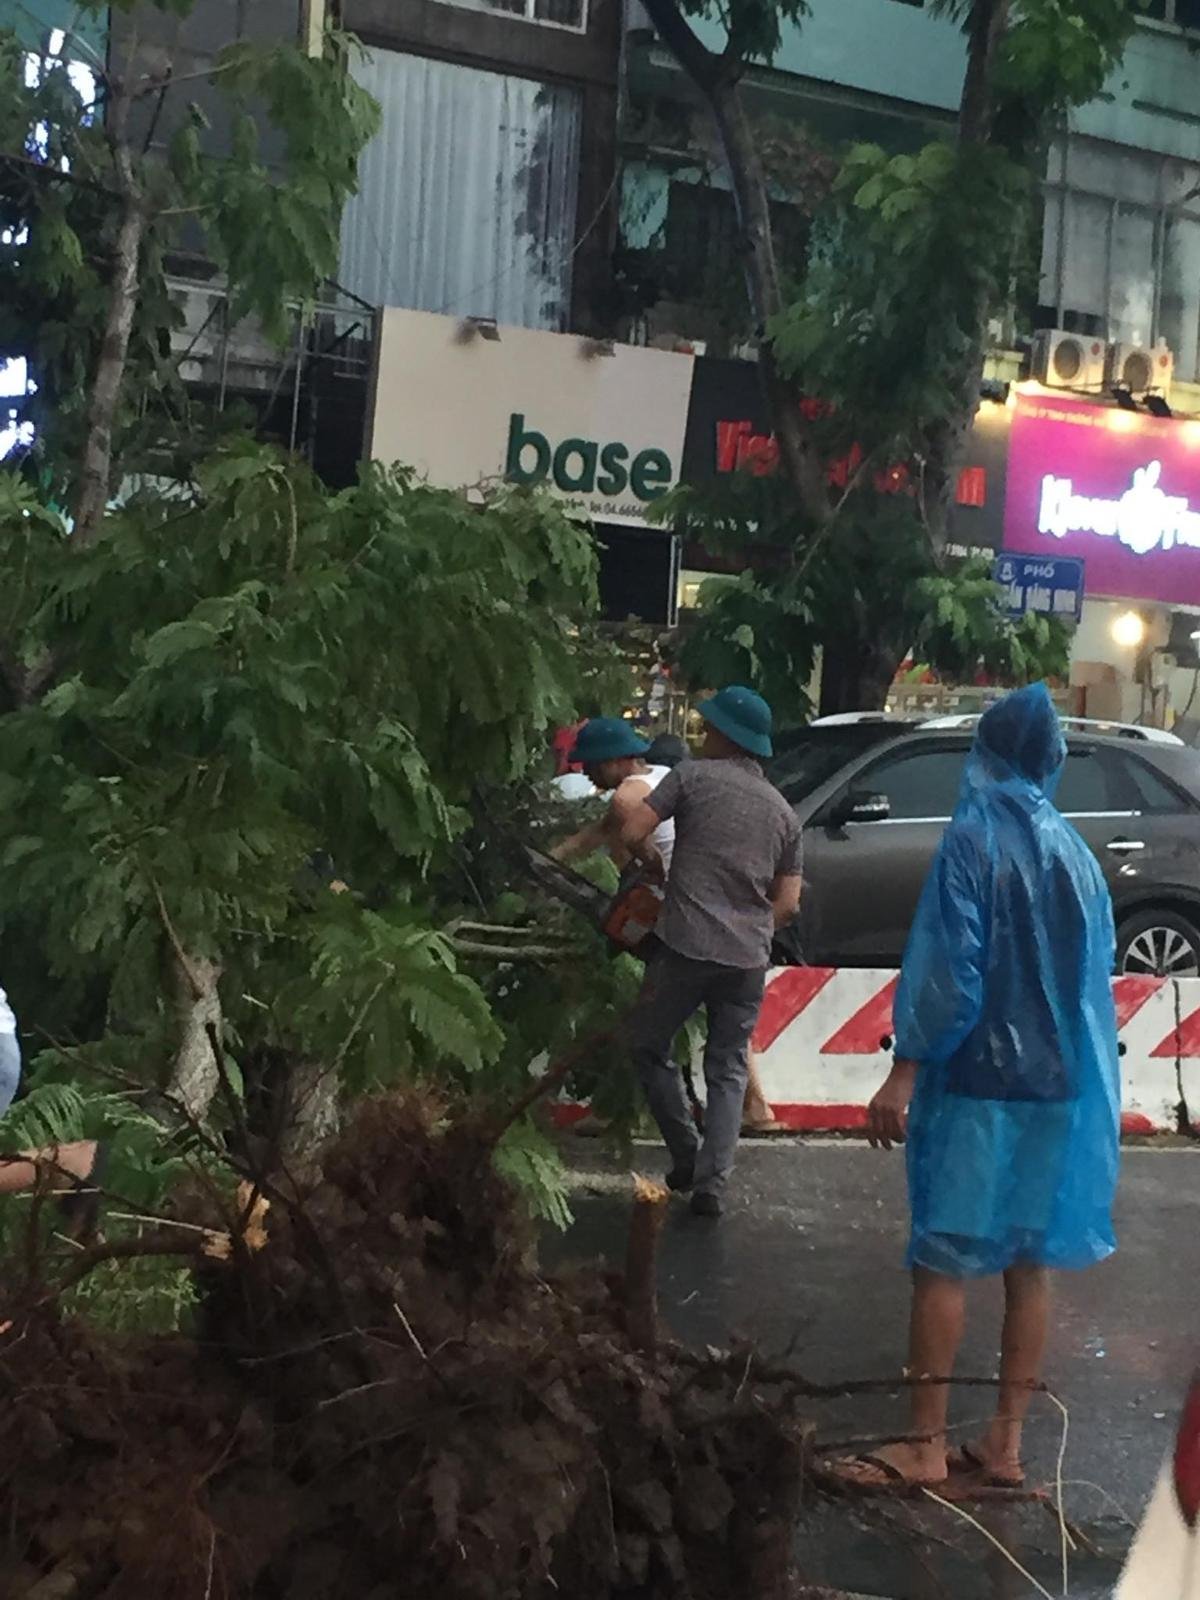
x,y
650,1202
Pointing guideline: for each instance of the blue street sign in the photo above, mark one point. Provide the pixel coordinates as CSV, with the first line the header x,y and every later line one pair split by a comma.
x,y
1052,586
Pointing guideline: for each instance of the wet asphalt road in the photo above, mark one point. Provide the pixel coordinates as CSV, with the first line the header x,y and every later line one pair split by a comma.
x,y
809,1255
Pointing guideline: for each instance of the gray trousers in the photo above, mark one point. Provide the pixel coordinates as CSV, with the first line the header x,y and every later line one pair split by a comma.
x,y
674,989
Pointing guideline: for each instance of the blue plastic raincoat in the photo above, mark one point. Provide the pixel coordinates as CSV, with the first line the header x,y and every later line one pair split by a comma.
x,y
1005,1001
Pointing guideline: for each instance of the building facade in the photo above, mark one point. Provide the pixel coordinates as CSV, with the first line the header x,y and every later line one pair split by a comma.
x,y
491,190
544,183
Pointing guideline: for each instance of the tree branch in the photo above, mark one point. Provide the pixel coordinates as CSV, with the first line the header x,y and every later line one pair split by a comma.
x,y
677,33
550,1079
52,174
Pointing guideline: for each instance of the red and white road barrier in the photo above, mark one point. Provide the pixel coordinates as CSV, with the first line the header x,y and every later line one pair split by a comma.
x,y
824,1036
824,1041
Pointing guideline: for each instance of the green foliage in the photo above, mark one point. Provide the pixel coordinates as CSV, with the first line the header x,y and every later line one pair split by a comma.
x,y
905,263
397,979
872,584
271,225
257,671
276,238
1058,54
753,28
528,1159
753,632
143,1167
960,627
907,260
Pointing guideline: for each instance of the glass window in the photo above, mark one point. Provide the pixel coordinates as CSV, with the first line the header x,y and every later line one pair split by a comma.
x,y
1131,303
1184,13
1121,244
1179,304
924,785
807,759
1085,245
1152,792
467,195
563,13
1084,786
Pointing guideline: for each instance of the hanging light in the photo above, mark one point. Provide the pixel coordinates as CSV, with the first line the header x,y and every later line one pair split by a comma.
x,y
1128,630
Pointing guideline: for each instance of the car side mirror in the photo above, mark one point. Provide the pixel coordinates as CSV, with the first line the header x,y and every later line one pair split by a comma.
x,y
860,806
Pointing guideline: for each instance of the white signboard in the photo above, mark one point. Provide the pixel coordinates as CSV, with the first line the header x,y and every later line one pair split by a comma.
x,y
599,426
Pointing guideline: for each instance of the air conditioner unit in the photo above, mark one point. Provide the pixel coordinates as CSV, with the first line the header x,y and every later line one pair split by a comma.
x,y
1140,368
1063,360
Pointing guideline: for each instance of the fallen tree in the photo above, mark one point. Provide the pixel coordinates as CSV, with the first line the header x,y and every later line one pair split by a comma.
x,y
382,1395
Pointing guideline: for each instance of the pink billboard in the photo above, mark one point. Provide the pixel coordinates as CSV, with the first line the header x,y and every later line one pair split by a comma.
x,y
1118,489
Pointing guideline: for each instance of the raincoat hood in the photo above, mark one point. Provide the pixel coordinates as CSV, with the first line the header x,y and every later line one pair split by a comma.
x,y
1019,739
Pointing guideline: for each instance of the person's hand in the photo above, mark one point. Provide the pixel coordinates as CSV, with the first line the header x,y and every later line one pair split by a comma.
x,y
887,1115
654,868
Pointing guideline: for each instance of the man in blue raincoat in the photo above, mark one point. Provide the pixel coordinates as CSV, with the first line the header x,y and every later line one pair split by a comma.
x,y
1005,1085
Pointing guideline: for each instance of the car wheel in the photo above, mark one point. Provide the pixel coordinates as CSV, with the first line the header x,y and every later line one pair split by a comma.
x,y
1159,944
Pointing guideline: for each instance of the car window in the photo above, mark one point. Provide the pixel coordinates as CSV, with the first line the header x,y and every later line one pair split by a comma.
x,y
1084,786
1149,791
810,759
924,784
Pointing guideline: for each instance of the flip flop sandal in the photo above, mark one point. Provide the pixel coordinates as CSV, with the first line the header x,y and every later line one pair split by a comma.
x,y
80,1208
964,1460
891,1480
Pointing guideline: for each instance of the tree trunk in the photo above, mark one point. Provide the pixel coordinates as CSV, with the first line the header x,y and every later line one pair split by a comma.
x,y
986,29
856,675
985,33
96,461
194,1078
715,78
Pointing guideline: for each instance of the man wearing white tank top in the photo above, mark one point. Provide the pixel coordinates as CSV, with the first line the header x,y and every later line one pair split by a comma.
x,y
614,758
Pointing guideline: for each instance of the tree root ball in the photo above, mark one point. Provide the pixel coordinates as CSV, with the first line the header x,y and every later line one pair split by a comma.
x,y
389,1401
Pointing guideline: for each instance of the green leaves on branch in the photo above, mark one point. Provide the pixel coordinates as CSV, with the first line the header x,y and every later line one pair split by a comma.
x,y
749,631
258,672
960,627
264,203
902,267
274,226
397,981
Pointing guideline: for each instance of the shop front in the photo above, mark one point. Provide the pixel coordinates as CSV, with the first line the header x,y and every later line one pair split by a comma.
x,y
1116,492
599,426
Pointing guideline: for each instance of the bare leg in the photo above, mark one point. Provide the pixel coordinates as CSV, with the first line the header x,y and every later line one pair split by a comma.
x,y
757,1115
17,1174
935,1333
1023,1343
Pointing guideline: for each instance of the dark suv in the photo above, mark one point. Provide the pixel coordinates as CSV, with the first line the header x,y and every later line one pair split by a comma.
x,y
874,797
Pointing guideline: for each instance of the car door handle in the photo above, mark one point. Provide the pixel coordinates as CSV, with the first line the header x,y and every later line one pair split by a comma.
x,y
1125,847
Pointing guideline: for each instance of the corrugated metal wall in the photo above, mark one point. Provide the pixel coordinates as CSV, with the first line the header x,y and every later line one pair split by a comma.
x,y
467,196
